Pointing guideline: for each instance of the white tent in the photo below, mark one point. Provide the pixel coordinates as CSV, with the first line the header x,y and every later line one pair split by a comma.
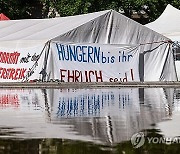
x,y
95,47
168,25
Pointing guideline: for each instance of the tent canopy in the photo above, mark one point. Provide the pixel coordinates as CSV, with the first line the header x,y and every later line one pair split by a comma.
x,y
3,17
100,30
118,28
42,29
168,24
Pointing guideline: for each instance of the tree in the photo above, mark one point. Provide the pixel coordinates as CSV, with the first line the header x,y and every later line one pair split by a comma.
x,y
152,8
19,9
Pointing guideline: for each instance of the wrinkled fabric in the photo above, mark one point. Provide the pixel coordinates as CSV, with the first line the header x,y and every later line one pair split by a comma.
x,y
156,62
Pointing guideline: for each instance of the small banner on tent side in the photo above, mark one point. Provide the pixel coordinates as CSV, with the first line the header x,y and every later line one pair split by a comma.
x,y
93,62
20,64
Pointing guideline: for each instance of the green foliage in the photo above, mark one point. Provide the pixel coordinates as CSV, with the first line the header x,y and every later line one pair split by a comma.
x,y
16,9
153,8
19,9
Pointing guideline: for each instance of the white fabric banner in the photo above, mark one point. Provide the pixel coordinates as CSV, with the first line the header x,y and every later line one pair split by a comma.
x,y
93,62
21,64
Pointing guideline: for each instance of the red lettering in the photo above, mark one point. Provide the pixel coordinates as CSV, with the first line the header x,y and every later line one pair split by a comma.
x,y
8,100
99,77
86,76
132,75
16,57
22,73
62,75
78,75
111,79
16,74
70,76
9,58
116,79
12,73
125,79
90,72
1,70
4,74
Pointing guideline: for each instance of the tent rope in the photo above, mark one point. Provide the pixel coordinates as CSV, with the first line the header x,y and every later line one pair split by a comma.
x,y
167,41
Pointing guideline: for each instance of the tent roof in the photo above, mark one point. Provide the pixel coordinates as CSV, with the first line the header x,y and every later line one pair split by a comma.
x,y
168,24
100,27
42,29
3,17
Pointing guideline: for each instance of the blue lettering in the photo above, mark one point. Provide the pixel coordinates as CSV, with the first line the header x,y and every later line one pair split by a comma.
x,y
103,58
72,53
66,53
79,55
129,56
90,52
96,53
60,51
123,57
84,53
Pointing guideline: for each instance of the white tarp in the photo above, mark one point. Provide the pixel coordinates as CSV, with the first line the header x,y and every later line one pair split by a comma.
x,y
168,23
154,64
42,29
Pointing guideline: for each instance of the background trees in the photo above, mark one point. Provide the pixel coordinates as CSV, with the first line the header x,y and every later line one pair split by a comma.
x,y
146,10
19,9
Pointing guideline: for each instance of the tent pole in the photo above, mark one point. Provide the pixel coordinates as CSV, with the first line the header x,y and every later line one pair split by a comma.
x,y
141,67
